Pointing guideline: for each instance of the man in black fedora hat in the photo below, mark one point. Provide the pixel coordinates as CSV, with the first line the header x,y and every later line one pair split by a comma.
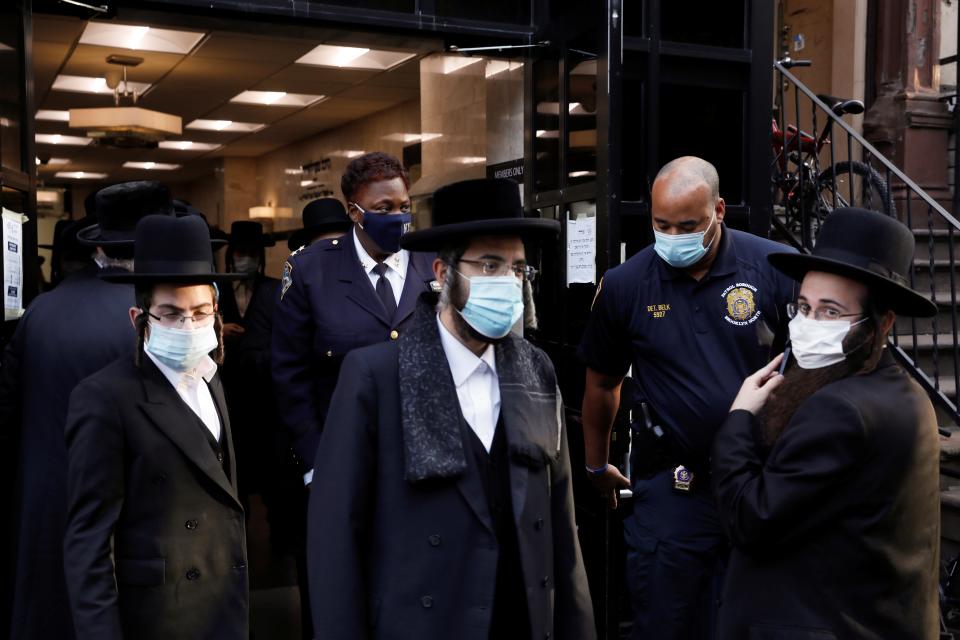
x,y
155,541
323,219
827,476
64,336
442,502
247,307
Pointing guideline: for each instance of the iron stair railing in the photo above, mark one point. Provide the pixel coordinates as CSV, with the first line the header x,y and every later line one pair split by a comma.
x,y
809,180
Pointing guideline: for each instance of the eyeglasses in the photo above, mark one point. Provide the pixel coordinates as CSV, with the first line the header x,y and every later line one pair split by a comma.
x,y
500,268
178,319
825,313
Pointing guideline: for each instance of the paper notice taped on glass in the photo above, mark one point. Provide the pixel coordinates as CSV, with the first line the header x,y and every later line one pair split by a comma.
x,y
581,249
12,265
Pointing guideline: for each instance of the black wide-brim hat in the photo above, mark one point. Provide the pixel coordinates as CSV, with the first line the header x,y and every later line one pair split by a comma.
x,y
172,250
320,216
472,208
218,238
120,207
249,233
868,247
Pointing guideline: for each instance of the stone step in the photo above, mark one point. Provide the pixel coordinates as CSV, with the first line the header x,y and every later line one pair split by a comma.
x,y
944,317
946,352
941,244
940,276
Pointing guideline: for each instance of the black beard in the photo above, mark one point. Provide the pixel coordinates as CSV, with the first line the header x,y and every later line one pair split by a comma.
x,y
458,298
863,346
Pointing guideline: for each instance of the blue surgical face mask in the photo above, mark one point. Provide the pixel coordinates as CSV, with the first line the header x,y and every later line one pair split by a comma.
x,y
494,305
685,249
385,229
180,349
246,264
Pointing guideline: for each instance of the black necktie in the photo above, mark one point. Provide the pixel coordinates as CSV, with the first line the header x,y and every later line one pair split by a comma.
x,y
384,290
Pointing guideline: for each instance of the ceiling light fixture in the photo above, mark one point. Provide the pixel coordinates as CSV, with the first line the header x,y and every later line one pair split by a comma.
x,y
188,145
80,175
151,166
225,125
86,84
276,98
141,38
327,55
412,137
53,116
56,138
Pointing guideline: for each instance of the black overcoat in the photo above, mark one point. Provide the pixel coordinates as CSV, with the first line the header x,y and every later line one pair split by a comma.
x,y
401,542
327,308
837,532
67,334
155,544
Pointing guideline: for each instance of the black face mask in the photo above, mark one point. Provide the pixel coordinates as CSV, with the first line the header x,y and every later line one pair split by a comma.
x,y
385,229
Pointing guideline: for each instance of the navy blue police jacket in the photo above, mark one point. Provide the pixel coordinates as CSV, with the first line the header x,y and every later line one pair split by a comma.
x,y
690,343
327,307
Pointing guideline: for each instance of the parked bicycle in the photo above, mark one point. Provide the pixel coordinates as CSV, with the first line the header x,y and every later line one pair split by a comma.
x,y
804,192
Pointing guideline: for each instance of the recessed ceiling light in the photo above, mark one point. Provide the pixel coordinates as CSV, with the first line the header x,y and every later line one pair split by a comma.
x,y
276,98
56,138
55,116
326,55
581,174
347,153
86,84
157,166
225,125
80,175
470,159
126,36
57,161
187,145
293,172
412,137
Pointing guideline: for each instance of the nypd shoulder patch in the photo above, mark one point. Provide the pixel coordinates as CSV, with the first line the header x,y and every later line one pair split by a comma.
x,y
287,279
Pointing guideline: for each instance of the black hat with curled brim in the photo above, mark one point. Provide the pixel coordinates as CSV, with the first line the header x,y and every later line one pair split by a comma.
x,y
320,216
120,207
472,208
868,247
172,250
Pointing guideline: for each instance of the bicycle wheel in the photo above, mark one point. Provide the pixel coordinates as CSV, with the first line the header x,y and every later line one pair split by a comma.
x,y
854,184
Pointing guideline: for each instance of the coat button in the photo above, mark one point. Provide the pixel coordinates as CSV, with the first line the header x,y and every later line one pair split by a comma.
x,y
546,636
191,524
545,581
193,573
240,566
394,334
426,602
220,457
538,525
335,242
329,354
434,540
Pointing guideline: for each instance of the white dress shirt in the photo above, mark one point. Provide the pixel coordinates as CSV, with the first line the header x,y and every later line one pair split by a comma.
x,y
196,395
396,262
478,387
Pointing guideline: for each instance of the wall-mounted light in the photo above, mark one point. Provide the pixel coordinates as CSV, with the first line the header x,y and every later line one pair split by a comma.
x,y
270,211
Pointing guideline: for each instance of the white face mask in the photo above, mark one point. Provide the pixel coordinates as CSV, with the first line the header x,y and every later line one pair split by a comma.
x,y
180,349
818,343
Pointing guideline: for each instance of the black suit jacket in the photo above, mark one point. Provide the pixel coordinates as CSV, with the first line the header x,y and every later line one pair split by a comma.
x,y
400,543
66,335
155,544
327,308
836,533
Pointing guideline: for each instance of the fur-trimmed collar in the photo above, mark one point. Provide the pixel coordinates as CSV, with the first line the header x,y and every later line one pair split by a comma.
x,y
430,411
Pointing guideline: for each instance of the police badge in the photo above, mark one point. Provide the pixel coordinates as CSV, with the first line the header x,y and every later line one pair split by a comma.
x,y
682,478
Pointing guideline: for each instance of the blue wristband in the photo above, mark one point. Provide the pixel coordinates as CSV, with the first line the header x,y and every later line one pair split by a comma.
x,y
599,471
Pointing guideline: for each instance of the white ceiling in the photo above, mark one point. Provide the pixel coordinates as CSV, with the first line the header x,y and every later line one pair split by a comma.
x,y
230,59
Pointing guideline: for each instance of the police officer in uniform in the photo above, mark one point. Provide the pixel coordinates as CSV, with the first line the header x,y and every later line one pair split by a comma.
x,y
693,315
342,294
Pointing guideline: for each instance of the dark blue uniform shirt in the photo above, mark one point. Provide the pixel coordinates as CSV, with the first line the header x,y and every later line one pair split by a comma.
x,y
691,343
